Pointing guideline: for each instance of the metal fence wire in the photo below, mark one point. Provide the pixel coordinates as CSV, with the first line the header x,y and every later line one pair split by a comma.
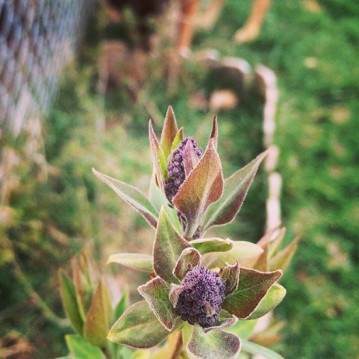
x,y
37,39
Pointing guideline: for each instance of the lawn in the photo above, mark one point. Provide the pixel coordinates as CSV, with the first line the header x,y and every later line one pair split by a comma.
x,y
314,54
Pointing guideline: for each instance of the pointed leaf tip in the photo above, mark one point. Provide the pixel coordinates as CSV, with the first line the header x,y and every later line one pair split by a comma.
x,y
169,131
235,191
214,132
138,261
131,195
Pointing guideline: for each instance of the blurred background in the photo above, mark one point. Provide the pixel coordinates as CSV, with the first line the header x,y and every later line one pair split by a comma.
x,y
79,81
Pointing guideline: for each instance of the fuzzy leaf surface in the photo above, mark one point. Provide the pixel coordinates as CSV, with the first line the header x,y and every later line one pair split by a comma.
x,y
138,261
274,296
231,276
207,245
235,191
214,345
68,296
226,320
202,187
131,195
80,348
189,258
138,327
253,285
242,252
156,293
168,246
98,317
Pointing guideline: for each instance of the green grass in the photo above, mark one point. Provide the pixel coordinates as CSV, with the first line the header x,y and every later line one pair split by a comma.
x,y
315,58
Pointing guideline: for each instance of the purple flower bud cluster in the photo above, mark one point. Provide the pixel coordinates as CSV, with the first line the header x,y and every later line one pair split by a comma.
x,y
175,167
201,298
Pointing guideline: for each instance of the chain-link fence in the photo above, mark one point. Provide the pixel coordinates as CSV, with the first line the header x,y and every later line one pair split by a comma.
x,y
37,38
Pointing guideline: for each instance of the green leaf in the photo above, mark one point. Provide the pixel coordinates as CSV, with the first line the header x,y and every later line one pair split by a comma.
x,y
159,200
177,140
158,156
234,194
169,131
156,293
207,245
243,328
253,285
81,349
68,296
138,327
282,259
122,305
83,286
202,187
274,296
256,349
167,248
230,274
138,261
242,252
189,258
214,345
131,195
98,317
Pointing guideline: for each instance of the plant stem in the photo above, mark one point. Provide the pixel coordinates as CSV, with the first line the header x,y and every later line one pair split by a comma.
x,y
178,348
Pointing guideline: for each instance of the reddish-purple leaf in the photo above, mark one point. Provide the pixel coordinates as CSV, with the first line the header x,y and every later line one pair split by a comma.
x,y
202,187
167,248
253,285
214,133
235,191
169,131
190,158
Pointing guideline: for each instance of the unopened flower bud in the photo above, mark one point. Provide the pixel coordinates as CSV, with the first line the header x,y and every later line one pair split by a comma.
x,y
175,167
201,298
